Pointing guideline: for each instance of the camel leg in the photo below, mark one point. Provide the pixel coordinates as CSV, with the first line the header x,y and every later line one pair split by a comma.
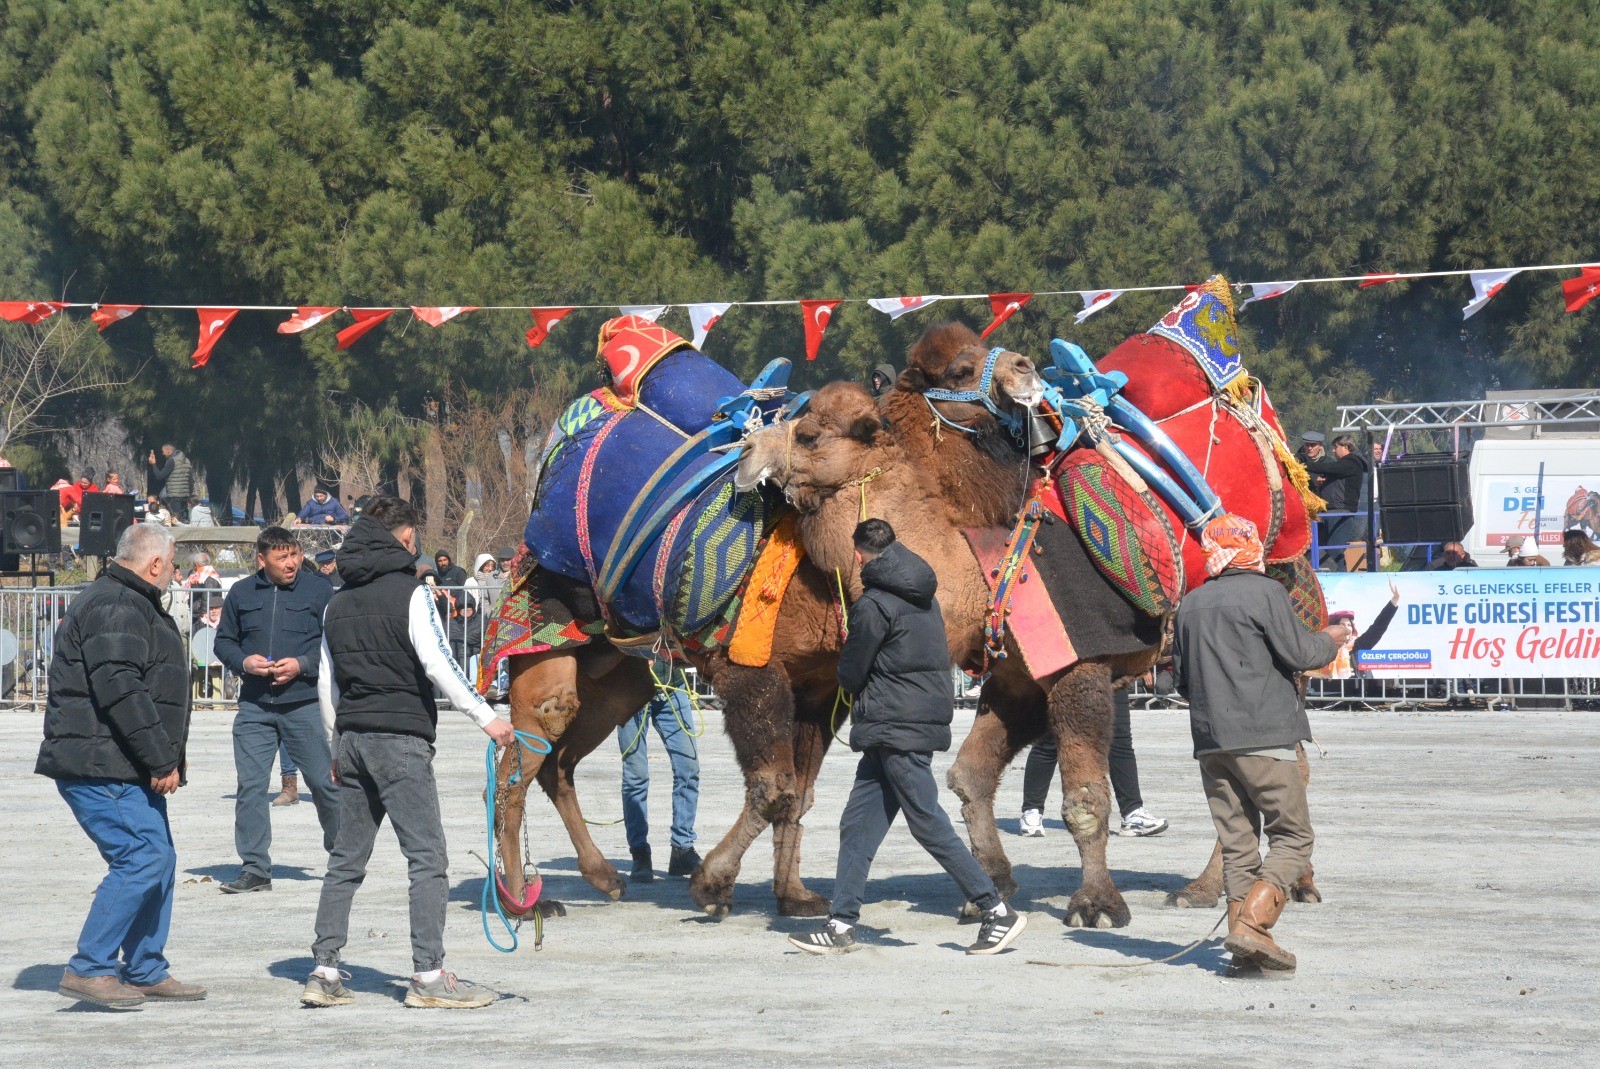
x,y
758,714
811,740
1080,712
1009,717
544,702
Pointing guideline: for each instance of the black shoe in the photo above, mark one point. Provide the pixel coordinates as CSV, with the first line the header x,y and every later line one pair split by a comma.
x,y
642,871
247,882
684,861
835,937
999,930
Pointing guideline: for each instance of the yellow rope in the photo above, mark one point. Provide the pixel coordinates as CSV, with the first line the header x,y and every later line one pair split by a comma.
x,y
840,698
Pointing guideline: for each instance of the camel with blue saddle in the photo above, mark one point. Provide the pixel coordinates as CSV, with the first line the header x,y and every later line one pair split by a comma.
x,y
1074,583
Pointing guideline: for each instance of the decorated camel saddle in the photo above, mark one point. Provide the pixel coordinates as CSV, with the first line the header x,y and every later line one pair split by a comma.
x,y
636,531
1167,431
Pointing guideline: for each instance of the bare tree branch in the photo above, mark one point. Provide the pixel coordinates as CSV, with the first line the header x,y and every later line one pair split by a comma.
x,y
42,363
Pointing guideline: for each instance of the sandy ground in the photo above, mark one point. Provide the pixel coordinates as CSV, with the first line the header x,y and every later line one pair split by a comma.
x,y
1459,855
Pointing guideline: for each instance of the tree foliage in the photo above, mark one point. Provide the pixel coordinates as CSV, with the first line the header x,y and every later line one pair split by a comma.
x,y
619,151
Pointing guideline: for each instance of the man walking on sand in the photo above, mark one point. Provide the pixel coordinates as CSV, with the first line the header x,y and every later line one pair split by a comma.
x,y
896,663
1236,645
383,653
115,731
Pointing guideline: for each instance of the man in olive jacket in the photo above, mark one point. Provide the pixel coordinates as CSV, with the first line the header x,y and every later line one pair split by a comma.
x,y
896,662
115,729
1237,645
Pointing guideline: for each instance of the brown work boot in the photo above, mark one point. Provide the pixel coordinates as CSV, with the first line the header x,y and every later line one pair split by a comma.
x,y
173,990
105,991
1258,913
290,793
1241,964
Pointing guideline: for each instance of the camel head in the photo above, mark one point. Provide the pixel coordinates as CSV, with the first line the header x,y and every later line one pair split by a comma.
x,y
951,357
836,443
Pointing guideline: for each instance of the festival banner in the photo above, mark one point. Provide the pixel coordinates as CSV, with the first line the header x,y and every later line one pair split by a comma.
x,y
1515,508
1471,623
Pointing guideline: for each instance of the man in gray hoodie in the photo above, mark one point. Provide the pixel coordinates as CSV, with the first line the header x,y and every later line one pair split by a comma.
x,y
1236,648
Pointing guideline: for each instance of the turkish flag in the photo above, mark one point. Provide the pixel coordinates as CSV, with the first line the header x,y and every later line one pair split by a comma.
x,y
305,317
703,317
895,307
1377,280
106,314
1581,290
543,320
29,312
438,317
1266,291
1004,306
366,319
1094,301
818,315
1485,284
213,321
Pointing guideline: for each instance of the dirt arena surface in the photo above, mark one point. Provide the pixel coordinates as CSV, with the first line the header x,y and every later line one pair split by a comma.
x,y
1459,855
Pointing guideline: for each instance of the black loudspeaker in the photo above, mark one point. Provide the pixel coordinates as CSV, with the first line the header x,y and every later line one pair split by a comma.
x,y
101,522
1427,479
30,521
9,479
1426,523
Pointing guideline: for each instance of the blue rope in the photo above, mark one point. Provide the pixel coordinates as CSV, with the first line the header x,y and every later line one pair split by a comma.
x,y
530,742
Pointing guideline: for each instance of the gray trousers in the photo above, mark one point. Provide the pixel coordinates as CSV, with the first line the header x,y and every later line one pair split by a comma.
x,y
382,775
890,782
1248,794
258,731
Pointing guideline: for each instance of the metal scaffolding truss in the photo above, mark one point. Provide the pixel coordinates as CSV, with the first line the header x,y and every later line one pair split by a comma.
x,y
1547,412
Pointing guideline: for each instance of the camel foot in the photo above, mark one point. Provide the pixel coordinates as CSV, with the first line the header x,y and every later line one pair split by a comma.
x,y
1305,891
549,907
1097,909
713,896
810,904
717,909
1192,897
608,881
969,913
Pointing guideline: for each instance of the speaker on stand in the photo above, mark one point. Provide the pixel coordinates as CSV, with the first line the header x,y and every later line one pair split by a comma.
x,y
1425,498
30,523
101,522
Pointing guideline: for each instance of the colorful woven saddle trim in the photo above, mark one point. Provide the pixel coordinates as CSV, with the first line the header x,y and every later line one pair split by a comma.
x,y
1203,324
751,644
712,554
1305,591
1125,532
532,619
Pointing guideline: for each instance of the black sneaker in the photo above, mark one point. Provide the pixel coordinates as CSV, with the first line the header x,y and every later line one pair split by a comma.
x,y
1001,926
247,882
684,861
835,937
642,870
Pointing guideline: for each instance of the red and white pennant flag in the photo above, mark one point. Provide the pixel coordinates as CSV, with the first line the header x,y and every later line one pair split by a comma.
x,y
703,317
1266,291
213,321
438,317
104,315
305,317
1094,300
818,315
543,320
1004,306
648,312
1485,284
367,319
895,307
29,312
1581,290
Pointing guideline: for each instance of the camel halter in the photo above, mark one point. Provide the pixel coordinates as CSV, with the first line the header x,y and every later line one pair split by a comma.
x,y
980,396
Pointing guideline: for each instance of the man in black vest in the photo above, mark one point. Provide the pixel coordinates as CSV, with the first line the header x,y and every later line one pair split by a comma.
x,y
383,653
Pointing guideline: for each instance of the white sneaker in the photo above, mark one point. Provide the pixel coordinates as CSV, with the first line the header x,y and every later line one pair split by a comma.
x,y
1033,823
1142,822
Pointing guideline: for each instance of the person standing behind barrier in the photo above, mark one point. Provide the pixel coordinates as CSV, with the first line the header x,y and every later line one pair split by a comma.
x,y
383,653
271,638
172,479
1044,759
116,728
896,663
670,713
1236,646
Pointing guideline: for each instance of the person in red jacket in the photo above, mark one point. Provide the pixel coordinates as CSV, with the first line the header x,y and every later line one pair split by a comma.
x,y
72,497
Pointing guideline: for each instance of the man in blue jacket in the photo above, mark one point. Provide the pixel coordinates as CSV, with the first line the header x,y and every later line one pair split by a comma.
x,y
896,662
271,637
321,510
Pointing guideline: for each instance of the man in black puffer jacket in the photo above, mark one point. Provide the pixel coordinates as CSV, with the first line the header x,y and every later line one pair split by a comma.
x,y
115,729
897,664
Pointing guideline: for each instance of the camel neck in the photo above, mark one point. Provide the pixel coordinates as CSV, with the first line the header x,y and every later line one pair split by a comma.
x,y
977,488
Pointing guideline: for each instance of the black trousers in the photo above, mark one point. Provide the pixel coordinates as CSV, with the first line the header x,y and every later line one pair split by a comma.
x,y
1043,758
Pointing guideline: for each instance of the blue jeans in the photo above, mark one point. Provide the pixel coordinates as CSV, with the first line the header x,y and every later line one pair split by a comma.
x,y
286,766
132,907
258,732
664,711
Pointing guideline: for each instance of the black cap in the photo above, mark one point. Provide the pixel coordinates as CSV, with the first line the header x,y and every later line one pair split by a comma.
x,y
1313,437
325,557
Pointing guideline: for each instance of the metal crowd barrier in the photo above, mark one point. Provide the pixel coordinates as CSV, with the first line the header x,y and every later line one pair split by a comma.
x,y
29,616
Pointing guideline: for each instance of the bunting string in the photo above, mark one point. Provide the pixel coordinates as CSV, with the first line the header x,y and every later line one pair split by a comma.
x,y
818,313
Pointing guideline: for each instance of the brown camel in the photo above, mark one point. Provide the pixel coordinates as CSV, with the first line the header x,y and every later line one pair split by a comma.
x,y
779,717
819,458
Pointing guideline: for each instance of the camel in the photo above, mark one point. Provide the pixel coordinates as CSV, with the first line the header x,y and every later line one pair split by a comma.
x,y
816,461
779,717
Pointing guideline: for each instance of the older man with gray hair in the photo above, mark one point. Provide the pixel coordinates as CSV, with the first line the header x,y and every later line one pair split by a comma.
x,y
115,730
